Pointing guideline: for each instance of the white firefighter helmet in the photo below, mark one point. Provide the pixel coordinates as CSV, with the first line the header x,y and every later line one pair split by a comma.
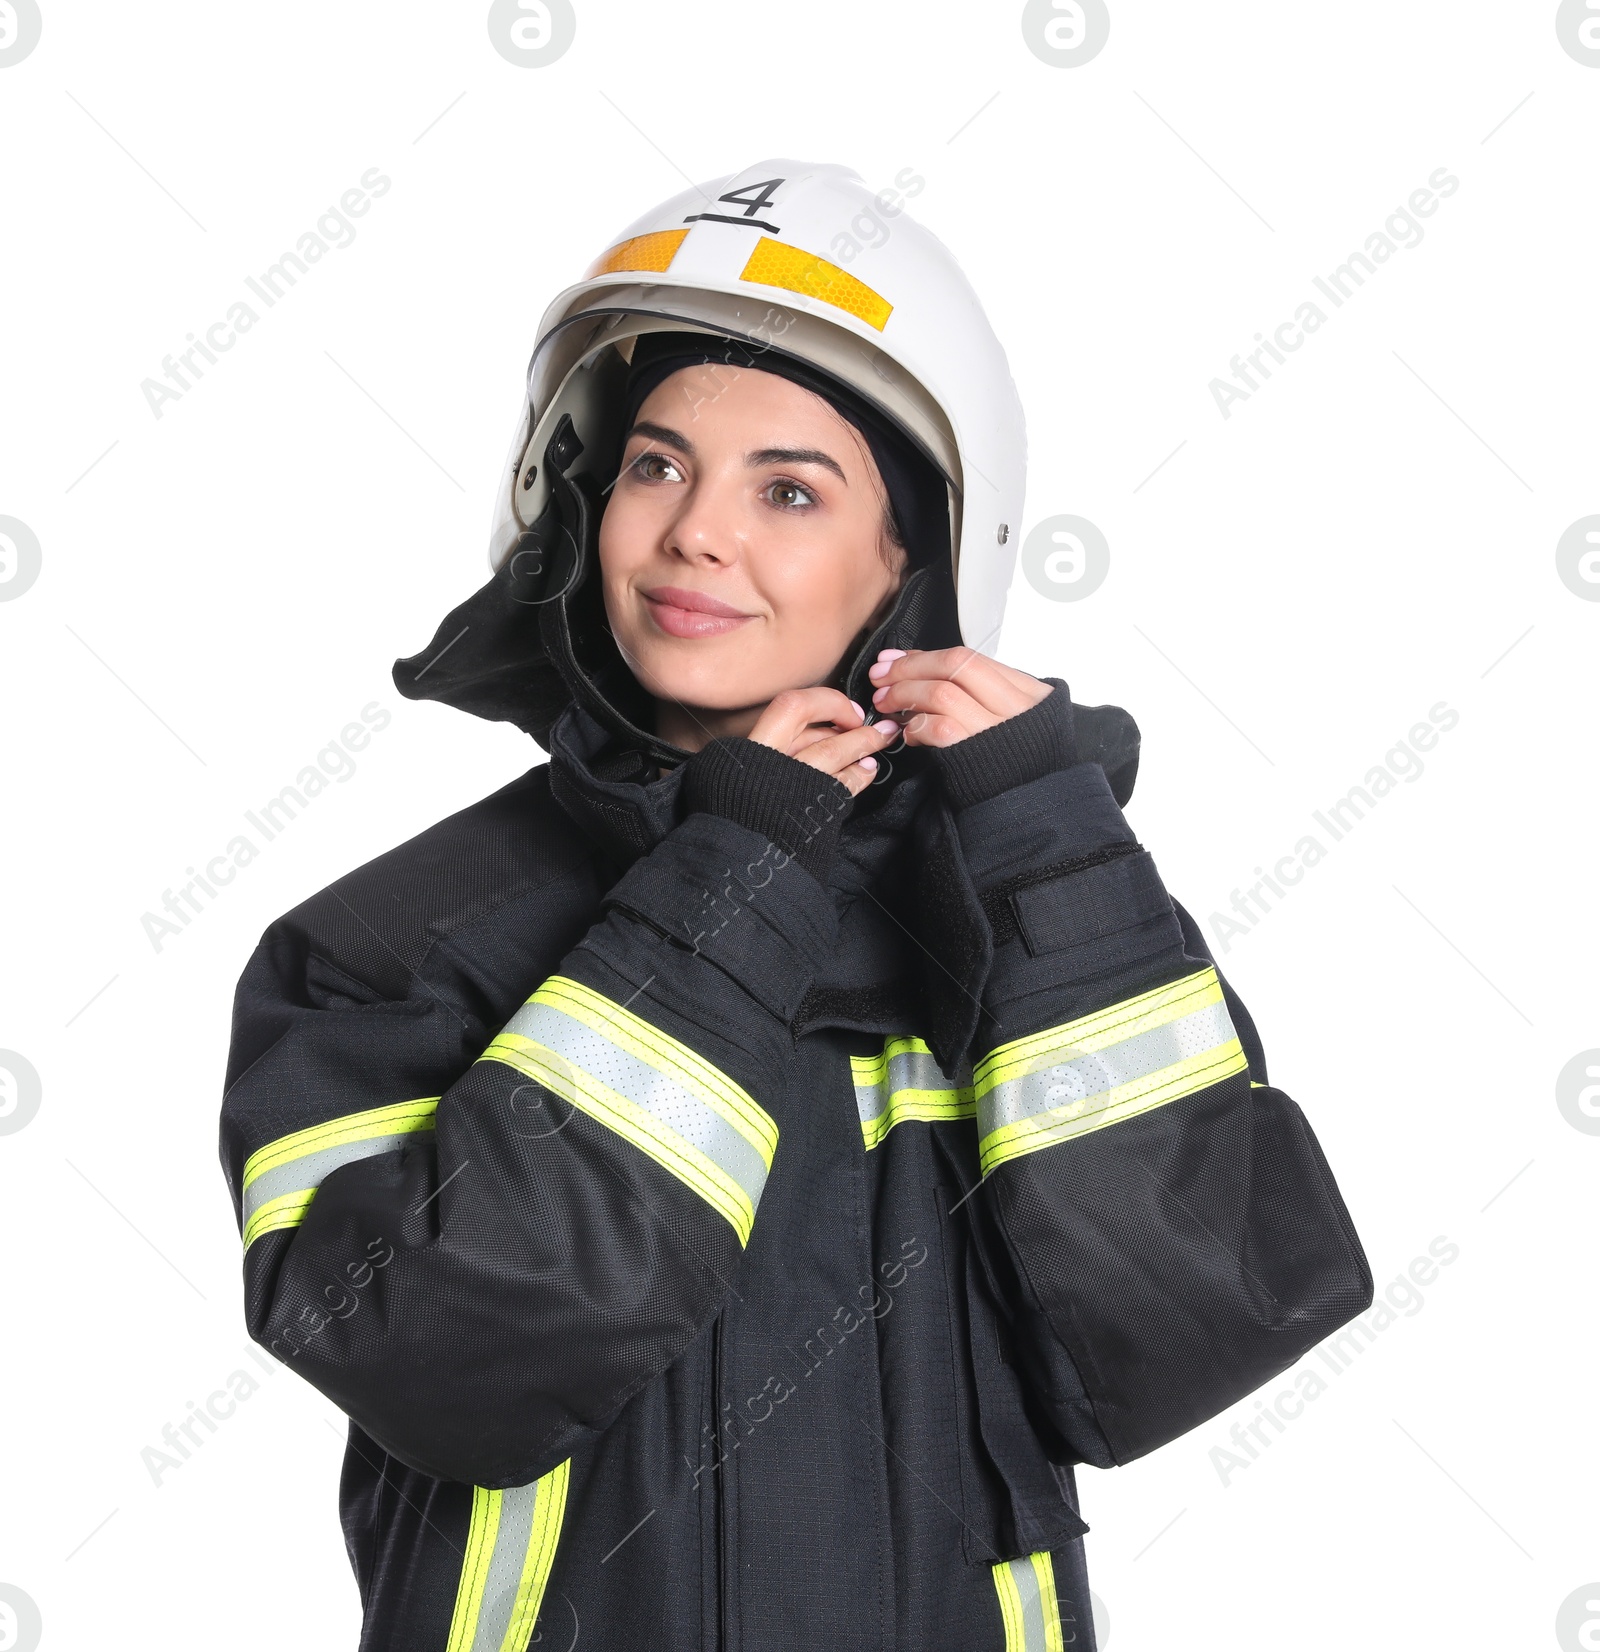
x,y
806,260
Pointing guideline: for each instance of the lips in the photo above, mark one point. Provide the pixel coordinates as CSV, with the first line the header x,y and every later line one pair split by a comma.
x,y
683,613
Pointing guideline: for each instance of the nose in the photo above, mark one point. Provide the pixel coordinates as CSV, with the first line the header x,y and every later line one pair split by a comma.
x,y
706,529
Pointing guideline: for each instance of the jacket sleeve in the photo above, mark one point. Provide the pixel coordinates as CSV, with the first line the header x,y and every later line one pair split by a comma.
x,y
480,1240
1158,1216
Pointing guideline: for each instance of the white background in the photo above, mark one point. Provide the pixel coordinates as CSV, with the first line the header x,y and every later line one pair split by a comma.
x,y
1365,537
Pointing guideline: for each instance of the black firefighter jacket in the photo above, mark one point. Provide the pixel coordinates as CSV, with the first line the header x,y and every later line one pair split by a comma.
x,y
719,1247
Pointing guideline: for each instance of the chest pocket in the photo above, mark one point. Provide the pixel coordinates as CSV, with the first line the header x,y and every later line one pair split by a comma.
x,y
1016,1501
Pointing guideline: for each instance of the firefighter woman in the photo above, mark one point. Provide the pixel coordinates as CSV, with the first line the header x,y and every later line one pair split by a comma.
x,y
731,1175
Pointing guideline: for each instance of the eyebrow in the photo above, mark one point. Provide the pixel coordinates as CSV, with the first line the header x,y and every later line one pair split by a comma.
x,y
662,433
795,456
761,456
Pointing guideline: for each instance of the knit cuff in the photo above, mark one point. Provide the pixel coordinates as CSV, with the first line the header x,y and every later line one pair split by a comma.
x,y
1028,746
792,804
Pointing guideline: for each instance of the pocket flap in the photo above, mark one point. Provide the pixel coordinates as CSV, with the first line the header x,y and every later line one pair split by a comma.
x,y
1043,1495
1092,907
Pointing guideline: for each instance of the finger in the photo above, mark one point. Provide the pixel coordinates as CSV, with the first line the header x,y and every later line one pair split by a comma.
x,y
813,732
925,729
835,753
1000,689
934,695
852,755
981,672
853,775
790,713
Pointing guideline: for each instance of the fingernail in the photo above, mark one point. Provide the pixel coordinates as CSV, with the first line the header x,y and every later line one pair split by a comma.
x,y
868,762
878,669
887,726
859,712
891,653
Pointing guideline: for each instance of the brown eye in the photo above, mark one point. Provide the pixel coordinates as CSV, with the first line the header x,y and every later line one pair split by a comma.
x,y
656,467
790,495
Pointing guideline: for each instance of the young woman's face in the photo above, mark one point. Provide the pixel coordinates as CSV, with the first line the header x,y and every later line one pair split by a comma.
x,y
742,548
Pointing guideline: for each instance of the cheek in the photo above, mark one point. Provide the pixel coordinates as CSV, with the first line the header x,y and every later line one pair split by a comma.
x,y
824,594
618,552
805,592
627,534
851,576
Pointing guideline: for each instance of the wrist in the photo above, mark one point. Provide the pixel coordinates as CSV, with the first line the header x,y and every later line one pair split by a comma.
x,y
799,808
1012,752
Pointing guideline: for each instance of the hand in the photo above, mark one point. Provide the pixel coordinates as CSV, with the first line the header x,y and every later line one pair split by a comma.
x,y
943,695
821,727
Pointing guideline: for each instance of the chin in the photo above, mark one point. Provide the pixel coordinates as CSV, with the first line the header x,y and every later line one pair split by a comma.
x,y
693,675
696,674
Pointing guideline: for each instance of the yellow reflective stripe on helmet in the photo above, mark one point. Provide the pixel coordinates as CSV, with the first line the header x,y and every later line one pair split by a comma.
x,y
282,1178
904,1082
511,1543
1029,1607
1104,1068
654,251
657,1093
774,264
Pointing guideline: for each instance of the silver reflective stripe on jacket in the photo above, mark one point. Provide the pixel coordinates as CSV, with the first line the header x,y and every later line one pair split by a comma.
x,y
510,1547
1029,1607
1084,1075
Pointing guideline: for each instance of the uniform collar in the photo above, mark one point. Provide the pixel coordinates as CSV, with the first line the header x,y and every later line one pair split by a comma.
x,y
604,787
898,880
603,784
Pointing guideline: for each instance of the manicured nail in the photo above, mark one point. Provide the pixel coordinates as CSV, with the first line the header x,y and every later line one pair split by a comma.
x,y
878,693
887,727
868,762
891,653
859,712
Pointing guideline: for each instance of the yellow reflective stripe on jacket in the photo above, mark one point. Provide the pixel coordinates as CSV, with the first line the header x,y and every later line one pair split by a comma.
x,y
670,1102
1028,1604
1104,1068
282,1178
511,1544
904,1082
